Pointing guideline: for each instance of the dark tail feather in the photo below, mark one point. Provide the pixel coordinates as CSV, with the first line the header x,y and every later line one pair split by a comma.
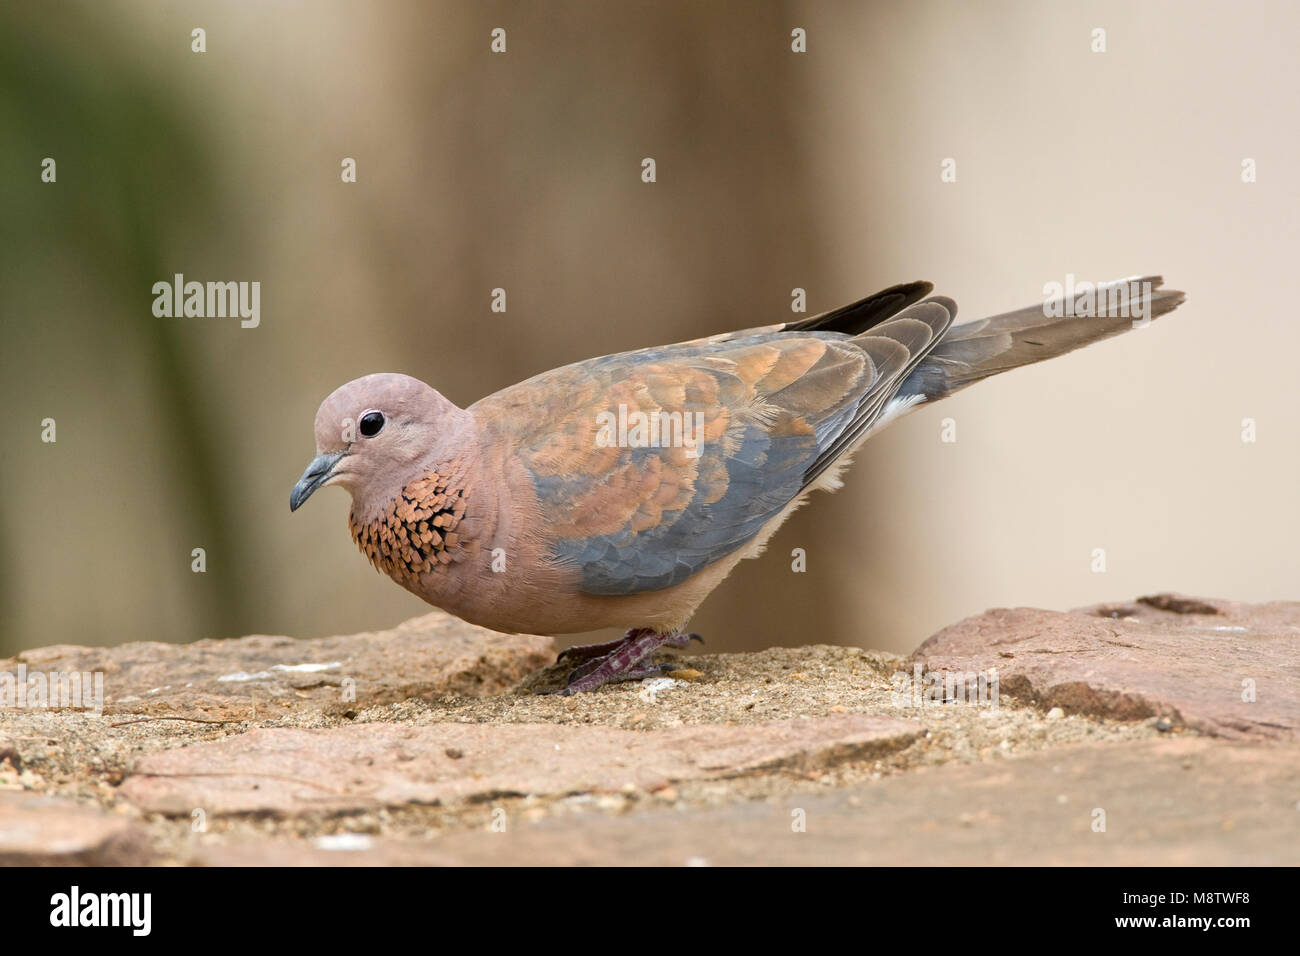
x,y
973,351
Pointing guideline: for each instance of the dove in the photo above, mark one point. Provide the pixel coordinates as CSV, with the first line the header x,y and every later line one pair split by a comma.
x,y
619,491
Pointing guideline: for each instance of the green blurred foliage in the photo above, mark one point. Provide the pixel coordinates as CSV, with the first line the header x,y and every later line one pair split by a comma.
x,y
128,160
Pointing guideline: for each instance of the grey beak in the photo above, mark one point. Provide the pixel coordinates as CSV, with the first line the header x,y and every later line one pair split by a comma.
x,y
317,473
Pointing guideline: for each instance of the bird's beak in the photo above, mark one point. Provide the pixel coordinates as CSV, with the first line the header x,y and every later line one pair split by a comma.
x,y
317,473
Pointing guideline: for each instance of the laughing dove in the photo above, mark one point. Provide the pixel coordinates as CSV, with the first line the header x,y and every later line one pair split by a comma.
x,y
621,490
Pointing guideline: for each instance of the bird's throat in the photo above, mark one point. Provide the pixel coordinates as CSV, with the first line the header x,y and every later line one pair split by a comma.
x,y
416,533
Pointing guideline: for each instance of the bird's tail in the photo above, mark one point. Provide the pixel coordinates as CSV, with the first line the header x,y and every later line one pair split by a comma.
x,y
973,351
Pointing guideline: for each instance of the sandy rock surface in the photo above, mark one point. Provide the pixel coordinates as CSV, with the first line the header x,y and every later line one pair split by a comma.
x,y
1161,730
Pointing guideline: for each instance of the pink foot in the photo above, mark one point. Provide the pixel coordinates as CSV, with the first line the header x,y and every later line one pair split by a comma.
x,y
621,660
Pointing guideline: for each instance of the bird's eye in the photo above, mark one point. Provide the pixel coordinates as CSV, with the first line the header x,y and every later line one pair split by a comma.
x,y
371,423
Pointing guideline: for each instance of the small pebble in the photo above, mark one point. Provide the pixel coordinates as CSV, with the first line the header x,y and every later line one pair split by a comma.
x,y
343,841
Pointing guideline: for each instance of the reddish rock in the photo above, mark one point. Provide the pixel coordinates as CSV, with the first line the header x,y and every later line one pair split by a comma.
x,y
1169,802
1179,801
372,765
260,676
1196,661
37,830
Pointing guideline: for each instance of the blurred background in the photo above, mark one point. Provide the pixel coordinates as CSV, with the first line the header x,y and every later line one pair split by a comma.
x,y
775,170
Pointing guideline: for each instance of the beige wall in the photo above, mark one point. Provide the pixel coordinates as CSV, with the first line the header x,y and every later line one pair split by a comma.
x,y
776,170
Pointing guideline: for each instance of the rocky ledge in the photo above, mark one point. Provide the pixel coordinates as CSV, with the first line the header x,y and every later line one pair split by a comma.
x,y
1161,730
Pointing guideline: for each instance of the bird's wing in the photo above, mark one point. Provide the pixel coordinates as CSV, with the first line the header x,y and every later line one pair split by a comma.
x,y
750,422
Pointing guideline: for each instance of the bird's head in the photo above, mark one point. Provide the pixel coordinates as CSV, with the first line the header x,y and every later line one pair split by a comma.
x,y
373,433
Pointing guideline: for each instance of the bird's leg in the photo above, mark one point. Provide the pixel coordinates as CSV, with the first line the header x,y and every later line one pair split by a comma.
x,y
620,662
585,652
596,654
